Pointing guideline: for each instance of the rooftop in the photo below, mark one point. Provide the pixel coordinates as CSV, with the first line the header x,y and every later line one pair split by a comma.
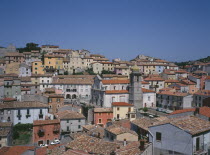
x,y
115,81
101,110
67,114
26,104
46,122
121,104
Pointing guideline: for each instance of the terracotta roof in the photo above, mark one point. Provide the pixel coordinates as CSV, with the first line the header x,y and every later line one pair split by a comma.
x,y
203,93
116,92
67,114
5,124
55,95
144,122
117,130
103,110
182,111
115,81
172,93
8,99
190,124
154,78
46,122
171,81
50,89
144,82
144,90
25,79
208,78
14,54
86,81
16,150
121,104
92,145
26,104
97,55
25,89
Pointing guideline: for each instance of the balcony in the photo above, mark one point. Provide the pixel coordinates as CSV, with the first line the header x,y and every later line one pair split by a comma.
x,y
19,115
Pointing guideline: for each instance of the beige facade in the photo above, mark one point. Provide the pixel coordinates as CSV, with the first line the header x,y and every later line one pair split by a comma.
x,y
13,67
97,67
123,110
127,136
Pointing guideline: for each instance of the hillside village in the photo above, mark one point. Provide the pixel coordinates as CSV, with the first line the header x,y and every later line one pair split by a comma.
x,y
57,101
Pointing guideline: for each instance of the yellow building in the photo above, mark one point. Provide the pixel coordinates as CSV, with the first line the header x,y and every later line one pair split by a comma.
x,y
123,110
53,61
37,67
12,68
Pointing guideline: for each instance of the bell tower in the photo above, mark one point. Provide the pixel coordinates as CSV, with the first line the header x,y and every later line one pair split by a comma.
x,y
135,89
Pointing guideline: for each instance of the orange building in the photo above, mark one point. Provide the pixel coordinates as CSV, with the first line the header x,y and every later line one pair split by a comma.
x,y
45,131
102,116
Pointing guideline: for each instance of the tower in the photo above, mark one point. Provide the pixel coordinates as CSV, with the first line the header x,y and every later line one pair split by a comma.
x,y
135,89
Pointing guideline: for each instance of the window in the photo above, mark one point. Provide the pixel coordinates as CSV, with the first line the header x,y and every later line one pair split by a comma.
x,y
8,111
158,136
27,111
50,100
79,120
118,108
129,109
79,126
58,100
67,121
99,114
67,128
148,98
99,120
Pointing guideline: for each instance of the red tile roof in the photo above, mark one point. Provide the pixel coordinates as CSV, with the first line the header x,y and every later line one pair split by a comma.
x,y
116,92
182,111
46,122
16,150
147,90
115,81
205,111
121,104
208,78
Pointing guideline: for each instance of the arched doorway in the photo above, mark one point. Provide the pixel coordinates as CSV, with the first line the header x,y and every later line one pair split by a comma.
x,y
74,96
68,96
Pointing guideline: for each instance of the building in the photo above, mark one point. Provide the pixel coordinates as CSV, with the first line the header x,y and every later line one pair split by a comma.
x,y
181,135
55,101
24,70
104,92
5,134
118,133
102,116
49,48
70,121
37,67
174,100
45,131
123,110
199,97
156,82
135,91
207,83
149,98
12,68
23,112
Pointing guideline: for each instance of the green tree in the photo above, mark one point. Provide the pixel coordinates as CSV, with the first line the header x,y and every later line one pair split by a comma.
x,y
29,47
107,72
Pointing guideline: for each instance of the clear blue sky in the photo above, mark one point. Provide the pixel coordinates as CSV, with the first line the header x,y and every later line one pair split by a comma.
x,y
174,30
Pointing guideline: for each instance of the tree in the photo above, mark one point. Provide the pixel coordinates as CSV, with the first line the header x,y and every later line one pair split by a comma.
x,y
29,47
90,71
107,72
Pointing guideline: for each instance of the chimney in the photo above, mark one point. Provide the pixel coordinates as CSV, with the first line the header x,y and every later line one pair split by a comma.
x,y
141,147
124,142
